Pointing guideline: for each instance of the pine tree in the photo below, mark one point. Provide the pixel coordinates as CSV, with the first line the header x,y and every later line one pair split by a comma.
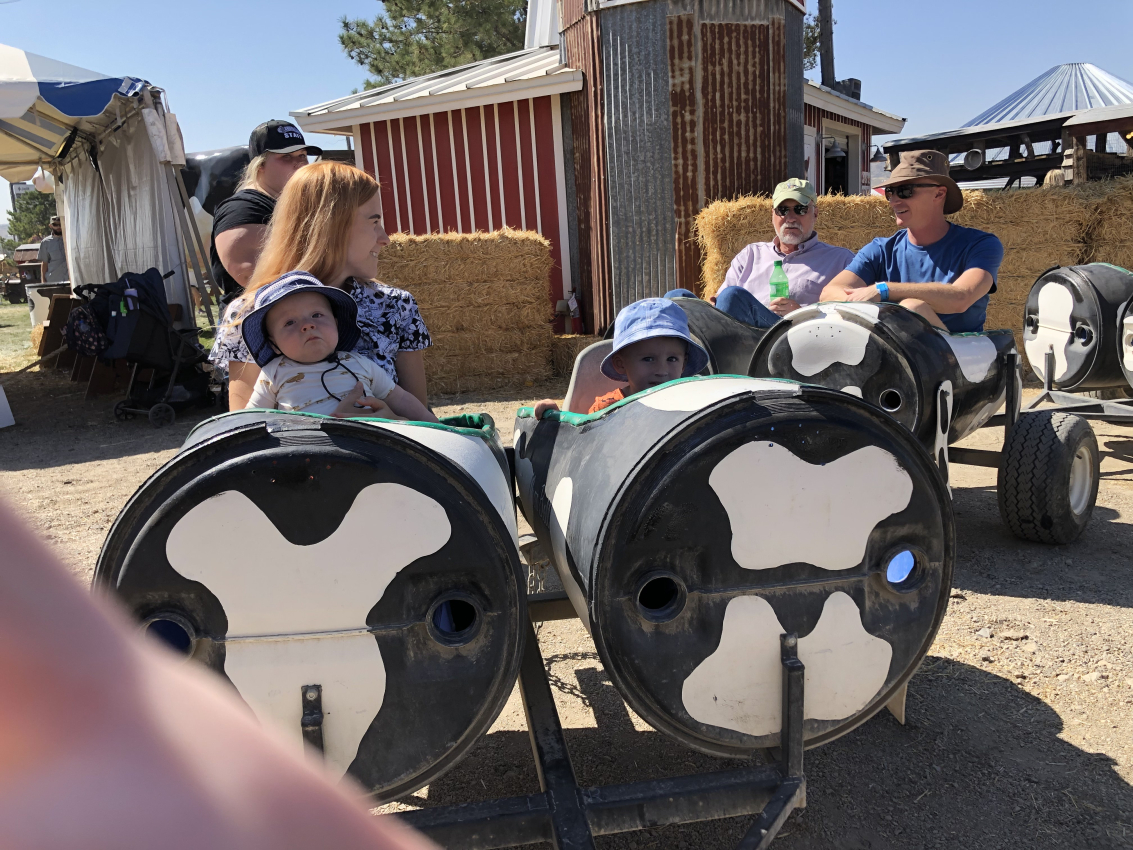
x,y
28,220
410,38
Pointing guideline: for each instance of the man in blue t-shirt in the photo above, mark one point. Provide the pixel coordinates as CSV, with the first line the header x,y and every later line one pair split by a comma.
x,y
941,270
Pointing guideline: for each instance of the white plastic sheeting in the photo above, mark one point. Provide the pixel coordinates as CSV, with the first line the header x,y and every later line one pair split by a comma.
x,y
120,217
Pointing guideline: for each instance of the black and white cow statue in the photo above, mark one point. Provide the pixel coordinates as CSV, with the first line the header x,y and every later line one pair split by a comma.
x,y
694,523
1079,314
377,560
211,177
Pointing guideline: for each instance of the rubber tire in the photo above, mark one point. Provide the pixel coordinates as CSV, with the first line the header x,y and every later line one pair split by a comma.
x,y
1034,476
162,414
1110,394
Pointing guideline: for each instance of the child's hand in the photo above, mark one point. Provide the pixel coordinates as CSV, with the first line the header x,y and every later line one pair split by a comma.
x,y
545,405
356,403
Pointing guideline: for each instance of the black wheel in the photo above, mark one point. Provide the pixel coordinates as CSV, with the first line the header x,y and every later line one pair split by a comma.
x,y
162,414
1110,393
122,412
1048,477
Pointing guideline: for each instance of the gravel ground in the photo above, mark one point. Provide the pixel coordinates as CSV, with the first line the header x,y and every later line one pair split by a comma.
x,y
1020,723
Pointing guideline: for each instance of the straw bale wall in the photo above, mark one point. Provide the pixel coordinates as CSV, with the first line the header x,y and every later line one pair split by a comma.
x,y
1111,236
485,298
1039,229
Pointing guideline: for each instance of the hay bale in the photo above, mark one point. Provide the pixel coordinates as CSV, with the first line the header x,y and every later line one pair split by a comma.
x,y
1111,234
564,350
485,298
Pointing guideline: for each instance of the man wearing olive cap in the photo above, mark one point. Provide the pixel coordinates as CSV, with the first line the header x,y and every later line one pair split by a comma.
x,y
808,263
940,270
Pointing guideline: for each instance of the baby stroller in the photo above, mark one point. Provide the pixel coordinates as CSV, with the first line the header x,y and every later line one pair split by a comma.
x,y
135,317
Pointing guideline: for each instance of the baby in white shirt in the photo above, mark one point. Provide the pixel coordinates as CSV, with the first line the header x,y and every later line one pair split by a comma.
x,y
300,333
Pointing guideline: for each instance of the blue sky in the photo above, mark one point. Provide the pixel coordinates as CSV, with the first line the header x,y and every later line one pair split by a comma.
x,y
227,66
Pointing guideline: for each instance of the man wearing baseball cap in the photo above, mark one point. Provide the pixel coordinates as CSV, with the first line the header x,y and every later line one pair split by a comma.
x,y
936,268
277,150
808,263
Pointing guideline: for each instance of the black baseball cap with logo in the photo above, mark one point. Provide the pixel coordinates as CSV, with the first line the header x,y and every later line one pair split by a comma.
x,y
279,137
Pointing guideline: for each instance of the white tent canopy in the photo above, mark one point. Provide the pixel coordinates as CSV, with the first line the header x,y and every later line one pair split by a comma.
x,y
109,143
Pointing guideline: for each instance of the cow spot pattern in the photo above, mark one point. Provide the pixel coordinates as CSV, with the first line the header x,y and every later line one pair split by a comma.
x,y
281,600
689,396
1056,304
827,339
784,510
740,685
975,354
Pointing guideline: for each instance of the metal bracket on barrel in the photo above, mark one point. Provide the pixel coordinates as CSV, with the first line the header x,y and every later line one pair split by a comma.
x,y
569,817
312,719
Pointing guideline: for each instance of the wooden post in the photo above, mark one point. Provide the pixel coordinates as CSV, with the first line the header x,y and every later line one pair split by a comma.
x,y
1080,150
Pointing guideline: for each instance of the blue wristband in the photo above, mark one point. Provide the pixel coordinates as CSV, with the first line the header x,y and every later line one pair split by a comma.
x,y
883,290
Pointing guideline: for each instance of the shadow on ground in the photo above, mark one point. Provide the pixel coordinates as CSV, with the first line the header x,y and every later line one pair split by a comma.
x,y
991,560
980,764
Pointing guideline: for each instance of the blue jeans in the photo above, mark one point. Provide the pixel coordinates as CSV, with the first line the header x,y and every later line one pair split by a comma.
x,y
738,303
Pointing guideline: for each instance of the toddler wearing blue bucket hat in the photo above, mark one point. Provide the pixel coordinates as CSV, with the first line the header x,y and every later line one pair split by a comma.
x,y
652,346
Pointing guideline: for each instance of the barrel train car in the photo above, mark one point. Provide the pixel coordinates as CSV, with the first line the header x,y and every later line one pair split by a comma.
x,y
357,582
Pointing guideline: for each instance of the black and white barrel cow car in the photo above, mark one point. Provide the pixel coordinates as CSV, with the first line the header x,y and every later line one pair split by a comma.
x,y
943,387
357,582
695,523
1080,317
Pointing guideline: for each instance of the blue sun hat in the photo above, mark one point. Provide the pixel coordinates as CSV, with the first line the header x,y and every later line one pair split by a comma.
x,y
252,328
649,318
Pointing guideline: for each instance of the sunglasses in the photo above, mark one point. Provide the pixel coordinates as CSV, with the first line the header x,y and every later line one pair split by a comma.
x,y
908,190
798,209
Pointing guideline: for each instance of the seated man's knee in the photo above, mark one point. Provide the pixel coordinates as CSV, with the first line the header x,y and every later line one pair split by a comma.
x,y
921,308
732,296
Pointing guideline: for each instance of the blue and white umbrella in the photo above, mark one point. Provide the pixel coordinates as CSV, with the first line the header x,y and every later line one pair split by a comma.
x,y
42,101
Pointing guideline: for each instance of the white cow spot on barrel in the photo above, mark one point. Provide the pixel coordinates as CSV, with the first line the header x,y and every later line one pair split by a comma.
x,y
821,342
688,396
560,522
784,510
855,391
281,600
975,354
740,685
1127,342
845,665
1056,304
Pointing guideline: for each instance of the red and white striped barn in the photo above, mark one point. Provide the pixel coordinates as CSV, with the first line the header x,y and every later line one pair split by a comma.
x,y
475,148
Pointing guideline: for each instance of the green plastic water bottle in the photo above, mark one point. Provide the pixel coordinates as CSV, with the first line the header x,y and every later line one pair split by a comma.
x,y
780,286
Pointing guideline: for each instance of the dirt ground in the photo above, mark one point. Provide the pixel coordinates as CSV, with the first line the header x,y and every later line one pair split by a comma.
x,y
1020,723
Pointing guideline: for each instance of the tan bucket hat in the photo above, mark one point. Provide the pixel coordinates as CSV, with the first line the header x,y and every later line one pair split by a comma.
x,y
927,167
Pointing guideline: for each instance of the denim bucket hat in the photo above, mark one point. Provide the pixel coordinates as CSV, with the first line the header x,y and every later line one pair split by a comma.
x,y
252,328
648,318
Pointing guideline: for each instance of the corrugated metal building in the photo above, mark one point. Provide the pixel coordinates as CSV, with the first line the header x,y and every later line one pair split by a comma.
x,y
686,101
616,126
469,149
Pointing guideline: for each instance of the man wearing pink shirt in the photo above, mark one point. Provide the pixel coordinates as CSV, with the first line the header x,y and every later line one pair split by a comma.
x,y
808,263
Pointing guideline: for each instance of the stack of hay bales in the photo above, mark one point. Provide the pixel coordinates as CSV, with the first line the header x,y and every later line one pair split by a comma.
x,y
1111,233
1039,229
565,349
485,298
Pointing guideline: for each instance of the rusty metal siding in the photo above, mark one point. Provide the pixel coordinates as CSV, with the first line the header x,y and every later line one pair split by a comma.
x,y
582,49
686,150
639,151
570,13
793,56
743,91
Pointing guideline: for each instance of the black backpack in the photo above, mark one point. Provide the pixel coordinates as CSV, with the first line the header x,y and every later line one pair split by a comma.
x,y
135,316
